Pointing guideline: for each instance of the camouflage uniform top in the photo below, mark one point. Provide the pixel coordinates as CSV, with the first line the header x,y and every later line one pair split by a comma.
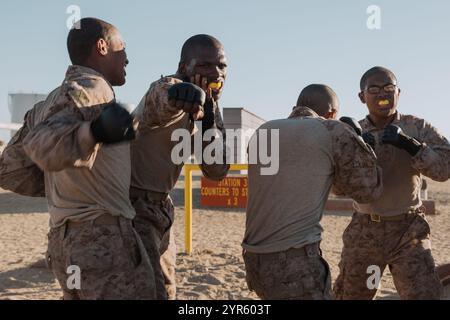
x,y
301,112
152,165
83,180
401,172
18,173
284,210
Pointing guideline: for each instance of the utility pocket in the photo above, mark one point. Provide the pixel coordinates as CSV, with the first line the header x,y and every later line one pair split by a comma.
x,y
251,269
154,213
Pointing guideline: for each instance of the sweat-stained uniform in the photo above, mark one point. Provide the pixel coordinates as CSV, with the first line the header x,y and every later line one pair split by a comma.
x,y
154,176
87,189
393,230
282,240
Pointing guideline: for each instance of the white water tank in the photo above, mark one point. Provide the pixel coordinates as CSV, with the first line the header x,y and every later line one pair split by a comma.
x,y
20,103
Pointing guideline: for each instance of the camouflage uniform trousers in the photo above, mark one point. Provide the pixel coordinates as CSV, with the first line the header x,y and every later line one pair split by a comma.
x,y
153,222
296,274
111,258
403,245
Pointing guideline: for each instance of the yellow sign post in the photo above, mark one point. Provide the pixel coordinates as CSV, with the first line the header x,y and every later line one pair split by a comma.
x,y
188,169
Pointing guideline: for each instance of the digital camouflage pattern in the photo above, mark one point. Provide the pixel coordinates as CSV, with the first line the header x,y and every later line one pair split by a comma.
x,y
112,259
86,182
83,179
356,172
296,274
153,222
300,112
402,174
282,258
402,245
153,171
18,173
299,191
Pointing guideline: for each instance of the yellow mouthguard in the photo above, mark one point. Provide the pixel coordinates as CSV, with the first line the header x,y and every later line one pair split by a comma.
x,y
383,103
215,85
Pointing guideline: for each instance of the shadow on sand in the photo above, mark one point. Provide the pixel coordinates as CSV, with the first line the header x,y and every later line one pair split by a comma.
x,y
13,203
29,277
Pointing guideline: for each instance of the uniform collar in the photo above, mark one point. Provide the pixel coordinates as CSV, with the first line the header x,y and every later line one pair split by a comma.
x,y
76,70
76,73
301,112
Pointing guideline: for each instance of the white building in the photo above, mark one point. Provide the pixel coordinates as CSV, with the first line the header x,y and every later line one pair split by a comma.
x,y
244,123
20,103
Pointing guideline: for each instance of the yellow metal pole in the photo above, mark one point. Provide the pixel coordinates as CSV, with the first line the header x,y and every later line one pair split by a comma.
x,y
188,207
188,169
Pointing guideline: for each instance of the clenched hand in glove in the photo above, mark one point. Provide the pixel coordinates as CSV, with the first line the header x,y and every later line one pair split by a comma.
x,y
395,136
367,136
189,98
114,125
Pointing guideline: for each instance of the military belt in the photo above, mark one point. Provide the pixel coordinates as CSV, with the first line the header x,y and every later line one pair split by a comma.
x,y
401,217
147,194
103,220
310,250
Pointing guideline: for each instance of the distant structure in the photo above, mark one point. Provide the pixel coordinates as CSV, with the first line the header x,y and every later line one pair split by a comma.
x,y
240,118
234,118
20,103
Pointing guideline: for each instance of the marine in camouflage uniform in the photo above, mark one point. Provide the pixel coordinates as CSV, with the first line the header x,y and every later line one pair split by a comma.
x,y
283,233
87,174
154,173
393,231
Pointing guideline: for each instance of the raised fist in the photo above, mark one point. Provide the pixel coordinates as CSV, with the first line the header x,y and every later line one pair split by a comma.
x,y
187,97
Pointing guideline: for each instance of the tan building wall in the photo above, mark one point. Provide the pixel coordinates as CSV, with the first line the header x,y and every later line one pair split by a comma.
x,y
240,118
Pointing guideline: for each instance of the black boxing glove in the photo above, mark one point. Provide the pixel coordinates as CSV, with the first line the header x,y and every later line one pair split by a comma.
x,y
395,136
187,96
369,139
367,136
114,125
209,117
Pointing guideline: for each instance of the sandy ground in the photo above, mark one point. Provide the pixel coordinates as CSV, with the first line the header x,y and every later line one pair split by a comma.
x,y
214,271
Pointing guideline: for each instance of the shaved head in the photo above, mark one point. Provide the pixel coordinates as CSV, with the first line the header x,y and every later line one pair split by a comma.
x,y
320,98
374,71
203,62
197,43
80,42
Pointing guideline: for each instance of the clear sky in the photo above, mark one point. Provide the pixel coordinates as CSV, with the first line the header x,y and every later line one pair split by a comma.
x,y
275,48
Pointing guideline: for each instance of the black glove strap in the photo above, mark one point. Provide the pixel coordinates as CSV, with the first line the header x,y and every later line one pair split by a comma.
x,y
209,117
410,145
